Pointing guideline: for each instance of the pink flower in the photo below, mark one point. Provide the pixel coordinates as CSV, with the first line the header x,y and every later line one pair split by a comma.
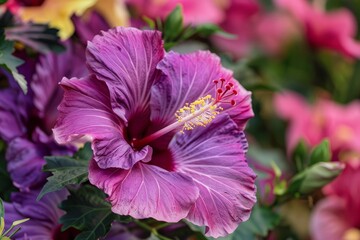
x,y
324,119
336,217
240,20
333,30
195,12
134,107
274,31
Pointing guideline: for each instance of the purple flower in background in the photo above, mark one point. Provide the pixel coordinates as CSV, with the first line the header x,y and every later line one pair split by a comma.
x,y
87,28
26,120
136,104
44,216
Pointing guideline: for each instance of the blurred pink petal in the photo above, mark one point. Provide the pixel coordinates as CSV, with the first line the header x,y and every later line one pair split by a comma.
x,y
331,30
195,12
240,20
324,119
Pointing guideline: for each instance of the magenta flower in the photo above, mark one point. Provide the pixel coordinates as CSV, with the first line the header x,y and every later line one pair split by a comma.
x,y
334,30
324,119
192,10
135,106
241,19
27,120
336,217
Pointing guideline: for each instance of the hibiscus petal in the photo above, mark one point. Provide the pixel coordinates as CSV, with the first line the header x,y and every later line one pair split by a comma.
x,y
215,159
329,220
12,114
86,110
43,214
25,160
146,191
49,72
186,77
126,59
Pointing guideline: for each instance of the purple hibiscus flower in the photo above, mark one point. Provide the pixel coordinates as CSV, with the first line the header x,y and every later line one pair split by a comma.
x,y
146,112
26,120
44,218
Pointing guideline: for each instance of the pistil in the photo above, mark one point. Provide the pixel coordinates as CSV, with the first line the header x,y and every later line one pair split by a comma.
x,y
198,113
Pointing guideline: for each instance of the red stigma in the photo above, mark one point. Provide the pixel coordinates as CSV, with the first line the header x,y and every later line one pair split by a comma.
x,y
225,93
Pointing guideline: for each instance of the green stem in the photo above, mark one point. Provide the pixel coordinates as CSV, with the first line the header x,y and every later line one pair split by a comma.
x,y
151,229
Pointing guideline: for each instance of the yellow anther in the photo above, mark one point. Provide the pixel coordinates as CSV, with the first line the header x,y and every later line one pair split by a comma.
x,y
198,113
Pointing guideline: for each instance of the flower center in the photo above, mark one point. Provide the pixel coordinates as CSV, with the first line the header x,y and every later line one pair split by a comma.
x,y
201,112
69,234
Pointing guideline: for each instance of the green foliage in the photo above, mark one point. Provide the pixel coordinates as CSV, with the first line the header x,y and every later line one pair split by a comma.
x,y
314,169
1,209
173,25
314,177
321,153
174,31
10,63
84,153
66,170
300,155
87,210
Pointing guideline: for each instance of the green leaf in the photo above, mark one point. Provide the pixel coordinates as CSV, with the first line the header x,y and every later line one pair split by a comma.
x,y
3,1
173,25
321,153
2,225
1,208
10,63
206,30
84,153
65,171
151,23
314,177
87,210
300,155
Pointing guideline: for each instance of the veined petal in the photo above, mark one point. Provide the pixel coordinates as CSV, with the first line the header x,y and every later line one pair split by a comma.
x,y
49,72
214,157
187,77
126,59
146,191
86,110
